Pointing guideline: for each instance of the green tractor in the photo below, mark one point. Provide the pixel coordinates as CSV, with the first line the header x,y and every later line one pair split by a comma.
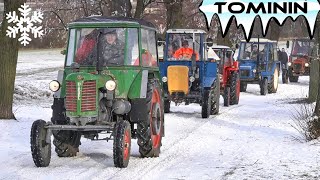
x,y
109,87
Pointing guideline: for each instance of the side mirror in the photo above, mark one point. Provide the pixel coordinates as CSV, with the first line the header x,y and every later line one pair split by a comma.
x,y
209,42
160,42
63,52
288,43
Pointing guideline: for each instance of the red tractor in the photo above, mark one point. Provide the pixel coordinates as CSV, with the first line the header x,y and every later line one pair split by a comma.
x,y
299,61
229,75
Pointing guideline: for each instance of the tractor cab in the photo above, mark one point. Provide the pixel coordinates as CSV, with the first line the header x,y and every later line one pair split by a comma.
x,y
188,74
259,64
299,61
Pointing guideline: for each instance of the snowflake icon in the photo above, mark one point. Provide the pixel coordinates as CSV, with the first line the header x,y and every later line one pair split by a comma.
x,y
24,24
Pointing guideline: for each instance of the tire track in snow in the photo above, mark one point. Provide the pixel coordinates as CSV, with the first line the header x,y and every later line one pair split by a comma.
x,y
168,157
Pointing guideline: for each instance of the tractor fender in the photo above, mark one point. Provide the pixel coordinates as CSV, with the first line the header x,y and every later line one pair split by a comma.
x,y
208,81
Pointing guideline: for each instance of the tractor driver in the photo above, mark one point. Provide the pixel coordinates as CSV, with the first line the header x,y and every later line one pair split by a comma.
x,y
254,53
112,48
185,52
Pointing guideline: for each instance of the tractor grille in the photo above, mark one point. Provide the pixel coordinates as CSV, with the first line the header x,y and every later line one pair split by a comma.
x,y
297,67
89,94
245,73
71,96
88,101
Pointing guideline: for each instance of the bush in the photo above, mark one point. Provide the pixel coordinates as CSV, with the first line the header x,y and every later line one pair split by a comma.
x,y
306,123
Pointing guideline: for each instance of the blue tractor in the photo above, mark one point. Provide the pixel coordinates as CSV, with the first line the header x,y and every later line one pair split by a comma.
x,y
188,73
259,64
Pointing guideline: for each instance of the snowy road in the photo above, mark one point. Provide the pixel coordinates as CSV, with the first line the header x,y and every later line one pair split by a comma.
x,y
252,140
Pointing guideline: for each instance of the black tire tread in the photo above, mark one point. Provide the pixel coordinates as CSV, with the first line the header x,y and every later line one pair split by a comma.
x,y
120,128
39,158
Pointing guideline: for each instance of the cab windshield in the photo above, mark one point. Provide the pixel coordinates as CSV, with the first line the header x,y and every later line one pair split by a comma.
x,y
251,51
181,47
302,48
113,46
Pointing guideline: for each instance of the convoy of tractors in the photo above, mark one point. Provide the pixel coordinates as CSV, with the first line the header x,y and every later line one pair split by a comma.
x,y
115,87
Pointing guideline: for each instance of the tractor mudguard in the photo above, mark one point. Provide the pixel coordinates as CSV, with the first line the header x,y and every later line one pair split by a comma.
x,y
137,113
138,88
210,74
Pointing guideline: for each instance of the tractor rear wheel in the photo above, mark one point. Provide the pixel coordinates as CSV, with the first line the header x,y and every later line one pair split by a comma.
x,y
243,87
234,88
150,132
206,103
167,106
264,86
226,96
122,144
273,85
66,142
215,106
293,78
41,150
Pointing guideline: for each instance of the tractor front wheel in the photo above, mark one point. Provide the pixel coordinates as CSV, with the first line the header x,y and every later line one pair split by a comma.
x,y
293,78
264,86
122,144
149,132
41,150
243,87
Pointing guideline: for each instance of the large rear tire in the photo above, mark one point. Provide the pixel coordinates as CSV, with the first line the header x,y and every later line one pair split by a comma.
x,y
273,85
41,150
234,88
226,96
149,132
215,103
122,144
66,142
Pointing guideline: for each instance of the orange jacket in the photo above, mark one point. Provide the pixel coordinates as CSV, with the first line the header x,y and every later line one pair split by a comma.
x,y
185,53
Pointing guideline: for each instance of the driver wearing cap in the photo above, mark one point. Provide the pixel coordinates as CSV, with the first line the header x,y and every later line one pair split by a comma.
x,y
112,48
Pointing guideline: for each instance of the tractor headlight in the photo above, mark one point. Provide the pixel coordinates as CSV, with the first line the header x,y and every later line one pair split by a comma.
x,y
164,79
191,79
111,85
254,70
306,64
54,86
289,63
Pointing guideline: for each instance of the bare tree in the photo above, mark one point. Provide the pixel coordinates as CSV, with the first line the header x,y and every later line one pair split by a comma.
x,y
8,62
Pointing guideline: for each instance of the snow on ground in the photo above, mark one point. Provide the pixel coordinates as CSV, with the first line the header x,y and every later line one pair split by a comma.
x,y
252,140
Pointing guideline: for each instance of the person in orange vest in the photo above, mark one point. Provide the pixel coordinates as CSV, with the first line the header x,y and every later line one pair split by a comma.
x,y
185,52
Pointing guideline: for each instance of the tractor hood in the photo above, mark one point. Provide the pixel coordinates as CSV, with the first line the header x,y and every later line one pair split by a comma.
x,y
247,64
80,77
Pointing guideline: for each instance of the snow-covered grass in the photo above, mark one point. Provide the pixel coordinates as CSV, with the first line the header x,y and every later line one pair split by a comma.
x,y
252,140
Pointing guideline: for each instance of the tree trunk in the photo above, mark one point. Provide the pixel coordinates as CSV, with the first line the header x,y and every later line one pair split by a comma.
x,y
139,9
317,108
174,13
8,63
